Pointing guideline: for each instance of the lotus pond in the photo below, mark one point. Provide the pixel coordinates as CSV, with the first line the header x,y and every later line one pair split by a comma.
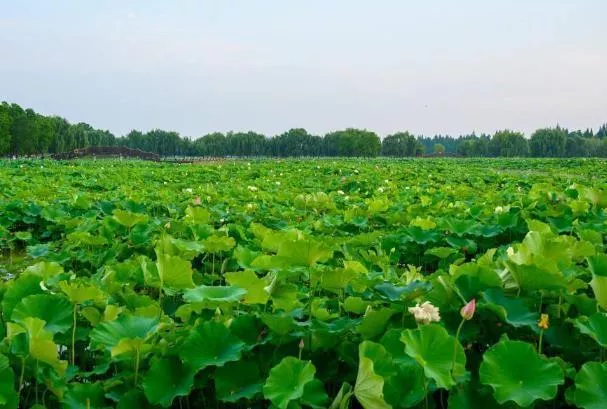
x,y
304,284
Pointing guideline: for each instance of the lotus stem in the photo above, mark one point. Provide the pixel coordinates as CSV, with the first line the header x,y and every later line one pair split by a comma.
x,y
22,376
539,342
74,335
459,329
136,365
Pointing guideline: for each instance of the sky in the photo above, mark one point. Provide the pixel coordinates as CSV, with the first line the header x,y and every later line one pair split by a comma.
x,y
428,67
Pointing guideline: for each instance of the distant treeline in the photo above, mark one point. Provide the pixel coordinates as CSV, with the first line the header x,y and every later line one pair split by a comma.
x,y
25,132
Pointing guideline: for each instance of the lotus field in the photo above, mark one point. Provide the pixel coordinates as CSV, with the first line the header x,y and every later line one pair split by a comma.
x,y
375,284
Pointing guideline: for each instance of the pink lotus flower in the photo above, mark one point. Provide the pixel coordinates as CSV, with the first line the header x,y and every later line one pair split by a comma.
x,y
467,311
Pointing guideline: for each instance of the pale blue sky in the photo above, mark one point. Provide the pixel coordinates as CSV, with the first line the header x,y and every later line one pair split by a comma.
x,y
439,66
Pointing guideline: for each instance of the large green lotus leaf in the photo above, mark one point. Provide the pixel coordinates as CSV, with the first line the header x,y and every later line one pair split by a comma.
x,y
45,269
134,398
128,219
516,372
215,294
85,396
355,305
210,344
167,379
237,380
374,322
80,292
432,347
595,326
441,252
591,386
514,311
315,395
374,367
26,284
304,252
411,291
249,329
337,279
282,324
599,287
475,396
197,215
9,398
114,335
187,249
406,387
216,244
245,256
472,278
287,380
534,277
598,265
174,272
55,310
41,345
598,268
421,236
284,296
255,286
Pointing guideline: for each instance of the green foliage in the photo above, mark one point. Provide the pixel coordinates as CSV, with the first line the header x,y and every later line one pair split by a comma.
x,y
297,283
517,373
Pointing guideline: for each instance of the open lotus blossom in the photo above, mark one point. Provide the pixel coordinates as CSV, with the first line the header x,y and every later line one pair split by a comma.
x,y
467,311
425,313
252,188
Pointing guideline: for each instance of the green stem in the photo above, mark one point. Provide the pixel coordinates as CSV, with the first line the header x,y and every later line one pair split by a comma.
x,y
36,377
459,329
425,394
22,376
539,342
74,335
136,366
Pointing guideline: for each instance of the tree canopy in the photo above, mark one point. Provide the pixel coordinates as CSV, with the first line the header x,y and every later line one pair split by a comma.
x,y
25,132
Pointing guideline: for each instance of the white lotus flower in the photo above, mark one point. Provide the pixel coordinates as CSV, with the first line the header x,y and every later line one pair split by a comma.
x,y
340,192
499,210
425,313
189,190
252,188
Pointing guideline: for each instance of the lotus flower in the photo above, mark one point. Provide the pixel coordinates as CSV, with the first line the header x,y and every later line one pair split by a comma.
x,y
544,321
467,311
425,313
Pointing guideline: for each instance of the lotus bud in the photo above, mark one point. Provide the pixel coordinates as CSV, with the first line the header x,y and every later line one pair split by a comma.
x,y
467,311
301,344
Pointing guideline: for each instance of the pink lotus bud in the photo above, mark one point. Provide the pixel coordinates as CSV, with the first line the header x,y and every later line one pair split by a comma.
x,y
197,201
467,311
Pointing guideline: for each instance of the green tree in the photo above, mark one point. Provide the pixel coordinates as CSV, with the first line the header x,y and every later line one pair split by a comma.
x,y
400,144
508,144
439,149
548,142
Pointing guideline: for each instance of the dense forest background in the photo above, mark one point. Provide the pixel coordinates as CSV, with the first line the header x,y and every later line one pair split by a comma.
x,y
25,132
